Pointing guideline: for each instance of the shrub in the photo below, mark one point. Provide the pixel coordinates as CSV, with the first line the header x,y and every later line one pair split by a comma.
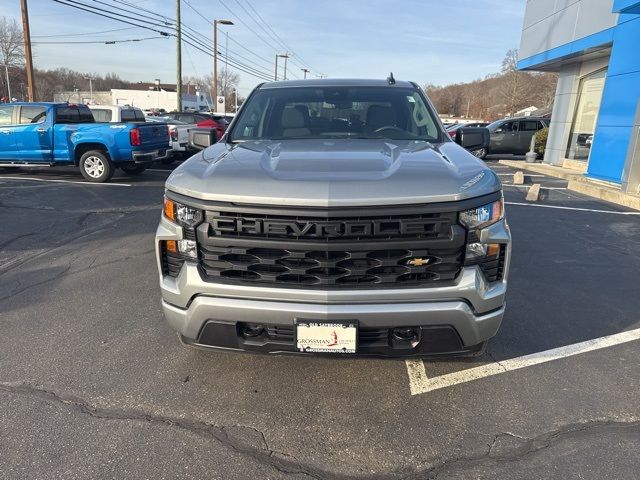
x,y
541,141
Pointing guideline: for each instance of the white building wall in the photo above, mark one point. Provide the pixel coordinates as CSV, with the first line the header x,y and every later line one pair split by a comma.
x,y
156,99
551,23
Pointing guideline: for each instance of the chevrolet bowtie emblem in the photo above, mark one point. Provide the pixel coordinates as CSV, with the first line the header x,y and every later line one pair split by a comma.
x,y
418,262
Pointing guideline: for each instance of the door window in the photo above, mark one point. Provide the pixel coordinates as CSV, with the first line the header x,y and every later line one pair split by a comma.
x,y
586,116
530,126
508,127
33,115
6,115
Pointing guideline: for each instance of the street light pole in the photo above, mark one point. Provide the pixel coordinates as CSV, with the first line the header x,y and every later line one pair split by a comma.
x,y
90,88
285,56
275,77
6,71
215,58
178,58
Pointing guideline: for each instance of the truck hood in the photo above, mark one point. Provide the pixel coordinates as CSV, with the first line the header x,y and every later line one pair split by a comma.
x,y
344,172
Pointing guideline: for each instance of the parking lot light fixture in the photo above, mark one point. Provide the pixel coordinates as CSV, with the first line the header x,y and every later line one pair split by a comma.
x,y
215,56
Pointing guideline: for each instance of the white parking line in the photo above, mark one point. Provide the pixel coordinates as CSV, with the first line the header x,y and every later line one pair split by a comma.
x,y
419,382
571,208
527,186
65,181
511,175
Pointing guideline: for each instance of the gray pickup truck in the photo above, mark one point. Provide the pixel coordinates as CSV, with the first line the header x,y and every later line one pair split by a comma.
x,y
336,217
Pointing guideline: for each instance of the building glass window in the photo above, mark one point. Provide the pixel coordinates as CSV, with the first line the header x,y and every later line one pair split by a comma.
x,y
586,115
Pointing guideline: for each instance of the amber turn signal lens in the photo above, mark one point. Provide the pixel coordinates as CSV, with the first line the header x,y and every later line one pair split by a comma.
x,y
493,250
171,246
170,209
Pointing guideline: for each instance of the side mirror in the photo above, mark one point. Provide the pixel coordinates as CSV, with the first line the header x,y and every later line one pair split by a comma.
x,y
473,138
201,138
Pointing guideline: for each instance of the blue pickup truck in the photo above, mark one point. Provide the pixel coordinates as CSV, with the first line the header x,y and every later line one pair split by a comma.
x,y
66,134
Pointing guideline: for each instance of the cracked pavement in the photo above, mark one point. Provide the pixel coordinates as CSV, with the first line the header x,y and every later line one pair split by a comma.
x,y
93,384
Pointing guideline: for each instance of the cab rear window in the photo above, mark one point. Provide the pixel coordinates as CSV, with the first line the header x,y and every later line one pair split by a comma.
x,y
73,114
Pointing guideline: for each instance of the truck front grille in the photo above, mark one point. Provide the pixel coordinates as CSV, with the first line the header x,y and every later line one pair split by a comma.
x,y
330,249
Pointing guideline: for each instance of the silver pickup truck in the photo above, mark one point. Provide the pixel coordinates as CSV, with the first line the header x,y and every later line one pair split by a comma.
x,y
336,217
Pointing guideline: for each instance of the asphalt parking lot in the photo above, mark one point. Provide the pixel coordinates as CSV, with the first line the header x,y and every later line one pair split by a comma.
x,y
93,384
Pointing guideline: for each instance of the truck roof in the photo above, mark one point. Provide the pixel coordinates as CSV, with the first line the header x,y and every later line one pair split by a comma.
x,y
337,82
43,104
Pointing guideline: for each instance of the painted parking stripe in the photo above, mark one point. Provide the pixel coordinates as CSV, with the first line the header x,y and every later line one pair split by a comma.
x,y
559,207
65,181
419,382
511,175
527,186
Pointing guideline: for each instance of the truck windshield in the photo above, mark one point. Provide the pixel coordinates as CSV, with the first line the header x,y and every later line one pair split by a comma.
x,y
336,112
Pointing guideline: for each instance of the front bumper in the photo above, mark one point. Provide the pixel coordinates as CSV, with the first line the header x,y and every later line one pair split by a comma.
x,y
472,308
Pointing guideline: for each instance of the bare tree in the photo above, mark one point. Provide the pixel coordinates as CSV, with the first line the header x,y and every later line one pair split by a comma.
x,y
11,51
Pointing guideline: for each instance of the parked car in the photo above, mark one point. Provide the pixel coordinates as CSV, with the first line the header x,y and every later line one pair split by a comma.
x,y
178,136
335,217
512,135
53,134
451,130
216,121
117,113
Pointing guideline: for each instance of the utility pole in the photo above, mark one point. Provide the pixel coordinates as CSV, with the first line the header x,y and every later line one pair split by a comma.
x,y
26,34
178,58
305,70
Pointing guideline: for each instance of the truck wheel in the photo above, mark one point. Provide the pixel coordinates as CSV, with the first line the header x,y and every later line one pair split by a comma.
x,y
96,166
132,168
481,154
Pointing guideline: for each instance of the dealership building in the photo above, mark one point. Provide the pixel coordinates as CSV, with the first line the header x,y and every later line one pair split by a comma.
x,y
594,46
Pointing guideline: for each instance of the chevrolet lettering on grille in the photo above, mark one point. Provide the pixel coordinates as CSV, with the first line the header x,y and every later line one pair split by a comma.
x,y
328,229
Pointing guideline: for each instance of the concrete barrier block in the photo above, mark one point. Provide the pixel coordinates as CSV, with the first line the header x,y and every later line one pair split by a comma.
x,y
534,193
518,178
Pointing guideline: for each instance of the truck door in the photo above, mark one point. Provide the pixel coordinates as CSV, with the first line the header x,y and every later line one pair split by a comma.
x,y
505,138
7,139
34,135
528,128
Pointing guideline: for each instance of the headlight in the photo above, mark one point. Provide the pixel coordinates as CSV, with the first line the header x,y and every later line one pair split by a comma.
x,y
182,214
483,216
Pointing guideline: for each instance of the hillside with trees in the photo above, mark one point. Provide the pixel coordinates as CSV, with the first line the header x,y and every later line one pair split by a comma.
x,y
496,96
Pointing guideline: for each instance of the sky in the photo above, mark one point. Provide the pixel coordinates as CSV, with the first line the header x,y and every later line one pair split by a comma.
x,y
426,41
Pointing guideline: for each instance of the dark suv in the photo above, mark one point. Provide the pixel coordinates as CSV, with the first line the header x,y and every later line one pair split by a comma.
x,y
512,135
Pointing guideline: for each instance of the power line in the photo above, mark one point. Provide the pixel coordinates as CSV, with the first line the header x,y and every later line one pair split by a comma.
x,y
105,42
262,59
277,37
204,48
84,34
73,5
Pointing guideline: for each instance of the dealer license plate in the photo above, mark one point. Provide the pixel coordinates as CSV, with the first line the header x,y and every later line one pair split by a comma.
x,y
326,337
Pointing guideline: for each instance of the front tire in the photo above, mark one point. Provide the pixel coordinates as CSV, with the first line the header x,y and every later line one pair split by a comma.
x,y
96,166
133,169
481,154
